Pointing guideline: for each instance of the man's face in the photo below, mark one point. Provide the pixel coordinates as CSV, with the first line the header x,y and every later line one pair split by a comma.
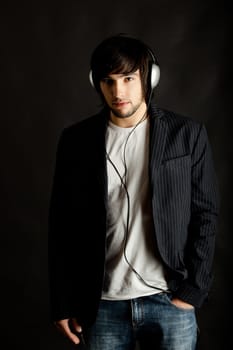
x,y
123,94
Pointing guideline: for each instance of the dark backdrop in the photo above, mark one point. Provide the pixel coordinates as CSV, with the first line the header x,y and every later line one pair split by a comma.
x,y
45,58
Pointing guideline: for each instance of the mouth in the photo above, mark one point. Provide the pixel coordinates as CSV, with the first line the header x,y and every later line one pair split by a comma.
x,y
120,104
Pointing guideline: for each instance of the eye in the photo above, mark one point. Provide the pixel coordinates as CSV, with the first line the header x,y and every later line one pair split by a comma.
x,y
129,78
107,81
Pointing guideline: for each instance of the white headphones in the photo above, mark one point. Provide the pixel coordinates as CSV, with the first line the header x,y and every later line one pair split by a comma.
x,y
91,79
155,73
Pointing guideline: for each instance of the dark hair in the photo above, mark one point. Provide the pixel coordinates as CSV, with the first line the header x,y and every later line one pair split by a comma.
x,y
122,54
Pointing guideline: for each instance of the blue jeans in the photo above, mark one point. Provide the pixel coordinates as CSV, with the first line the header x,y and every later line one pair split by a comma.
x,y
152,321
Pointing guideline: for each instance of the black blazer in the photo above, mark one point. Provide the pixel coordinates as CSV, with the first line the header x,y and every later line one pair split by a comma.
x,y
184,203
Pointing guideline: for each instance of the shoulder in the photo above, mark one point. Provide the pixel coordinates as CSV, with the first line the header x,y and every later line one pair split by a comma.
x,y
175,120
86,134
180,130
87,124
177,125
85,128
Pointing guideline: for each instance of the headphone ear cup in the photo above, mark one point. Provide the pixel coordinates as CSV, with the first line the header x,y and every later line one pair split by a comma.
x,y
155,75
91,79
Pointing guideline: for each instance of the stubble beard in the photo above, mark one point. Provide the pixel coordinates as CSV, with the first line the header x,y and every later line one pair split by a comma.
x,y
128,114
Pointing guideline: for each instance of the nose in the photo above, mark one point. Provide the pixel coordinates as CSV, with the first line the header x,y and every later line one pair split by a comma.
x,y
118,89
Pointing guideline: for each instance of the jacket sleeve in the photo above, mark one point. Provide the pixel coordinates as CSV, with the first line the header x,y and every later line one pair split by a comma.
x,y
58,248
203,224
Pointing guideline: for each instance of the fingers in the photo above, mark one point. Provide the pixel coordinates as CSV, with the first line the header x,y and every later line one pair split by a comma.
x,y
64,327
182,304
76,326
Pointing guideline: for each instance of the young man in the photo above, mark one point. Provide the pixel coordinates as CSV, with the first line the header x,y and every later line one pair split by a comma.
x,y
133,214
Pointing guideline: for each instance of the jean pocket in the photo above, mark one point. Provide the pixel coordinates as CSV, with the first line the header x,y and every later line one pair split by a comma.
x,y
169,298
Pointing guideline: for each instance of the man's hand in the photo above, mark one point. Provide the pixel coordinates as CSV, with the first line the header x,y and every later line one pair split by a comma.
x,y
68,327
181,304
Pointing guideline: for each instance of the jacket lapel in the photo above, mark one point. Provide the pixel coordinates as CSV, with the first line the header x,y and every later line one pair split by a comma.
x,y
158,137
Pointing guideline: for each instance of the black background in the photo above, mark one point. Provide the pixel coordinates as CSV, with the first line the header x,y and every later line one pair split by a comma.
x,y
45,52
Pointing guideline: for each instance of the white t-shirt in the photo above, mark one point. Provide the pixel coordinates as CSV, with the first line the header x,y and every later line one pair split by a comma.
x,y
120,282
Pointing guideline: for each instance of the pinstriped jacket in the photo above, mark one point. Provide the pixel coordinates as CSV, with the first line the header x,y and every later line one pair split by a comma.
x,y
184,197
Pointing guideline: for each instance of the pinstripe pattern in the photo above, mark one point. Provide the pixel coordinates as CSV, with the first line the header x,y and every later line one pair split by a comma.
x,y
184,201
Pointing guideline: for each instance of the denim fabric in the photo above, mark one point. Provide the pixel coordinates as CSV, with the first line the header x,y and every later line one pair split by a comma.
x,y
153,322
